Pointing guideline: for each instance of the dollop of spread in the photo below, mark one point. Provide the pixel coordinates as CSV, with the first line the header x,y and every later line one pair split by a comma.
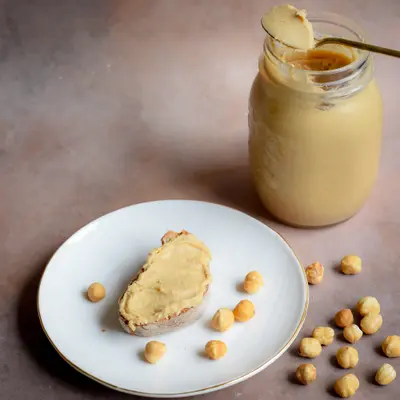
x,y
175,277
319,60
290,26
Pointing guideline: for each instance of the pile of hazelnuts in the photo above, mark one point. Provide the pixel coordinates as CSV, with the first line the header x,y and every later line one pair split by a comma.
x,y
347,356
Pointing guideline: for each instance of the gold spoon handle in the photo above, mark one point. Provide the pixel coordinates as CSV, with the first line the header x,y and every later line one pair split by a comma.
x,y
360,45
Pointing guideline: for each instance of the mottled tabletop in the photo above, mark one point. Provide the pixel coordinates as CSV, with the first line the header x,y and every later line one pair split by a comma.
x,y
104,104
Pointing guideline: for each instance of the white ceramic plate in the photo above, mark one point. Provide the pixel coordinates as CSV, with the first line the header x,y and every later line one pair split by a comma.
x,y
111,250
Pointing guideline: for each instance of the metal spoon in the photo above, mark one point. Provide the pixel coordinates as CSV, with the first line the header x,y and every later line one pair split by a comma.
x,y
359,45
347,42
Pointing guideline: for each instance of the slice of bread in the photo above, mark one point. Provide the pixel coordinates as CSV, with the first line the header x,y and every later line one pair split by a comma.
x,y
160,299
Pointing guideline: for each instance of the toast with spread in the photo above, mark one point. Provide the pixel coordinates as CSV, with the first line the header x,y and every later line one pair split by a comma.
x,y
169,290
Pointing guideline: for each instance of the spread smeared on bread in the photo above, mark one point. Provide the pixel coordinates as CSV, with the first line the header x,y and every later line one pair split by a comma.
x,y
173,280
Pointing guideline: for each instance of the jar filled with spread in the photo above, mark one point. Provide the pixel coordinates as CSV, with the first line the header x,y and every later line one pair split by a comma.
x,y
315,120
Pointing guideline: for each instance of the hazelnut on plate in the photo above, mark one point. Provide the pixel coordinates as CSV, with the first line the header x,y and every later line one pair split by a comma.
x,y
244,311
96,292
215,349
223,320
154,351
253,282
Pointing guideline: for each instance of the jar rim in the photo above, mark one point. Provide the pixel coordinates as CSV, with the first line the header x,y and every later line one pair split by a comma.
x,y
338,21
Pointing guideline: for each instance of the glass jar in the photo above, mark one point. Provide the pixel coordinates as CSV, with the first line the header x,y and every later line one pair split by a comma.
x,y
315,136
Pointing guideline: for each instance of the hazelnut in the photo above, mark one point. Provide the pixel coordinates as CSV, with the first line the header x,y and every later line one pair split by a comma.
x,y
352,333
368,305
154,351
315,273
344,318
310,348
96,292
351,265
371,323
347,385
244,311
223,320
391,346
386,374
306,373
215,349
253,282
347,357
324,334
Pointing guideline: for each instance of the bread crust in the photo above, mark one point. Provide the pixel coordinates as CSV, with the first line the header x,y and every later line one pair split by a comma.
x,y
178,320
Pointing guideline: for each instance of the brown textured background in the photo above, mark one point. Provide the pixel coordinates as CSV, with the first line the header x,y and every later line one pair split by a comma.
x,y
109,103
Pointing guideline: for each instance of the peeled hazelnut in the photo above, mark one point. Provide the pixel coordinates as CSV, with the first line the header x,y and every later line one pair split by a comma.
x,y
391,346
351,265
344,318
306,373
368,305
244,311
215,349
154,351
315,273
352,333
253,282
347,385
96,292
371,323
310,348
386,374
324,334
347,357
223,320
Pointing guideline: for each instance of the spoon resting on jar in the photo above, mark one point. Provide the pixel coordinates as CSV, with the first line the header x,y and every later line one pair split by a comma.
x,y
289,26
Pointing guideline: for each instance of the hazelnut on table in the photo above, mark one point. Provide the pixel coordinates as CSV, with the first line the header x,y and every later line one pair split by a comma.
x,y
324,334
391,346
223,320
306,373
347,385
386,374
351,265
315,273
253,282
96,292
347,357
344,318
154,351
215,349
368,305
244,311
371,323
352,333
310,348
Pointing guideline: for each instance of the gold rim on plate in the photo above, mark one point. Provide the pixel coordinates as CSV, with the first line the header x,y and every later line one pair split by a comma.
x,y
197,391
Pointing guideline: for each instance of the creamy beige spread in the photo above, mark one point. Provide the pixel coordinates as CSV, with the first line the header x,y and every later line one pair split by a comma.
x,y
175,277
319,60
290,26
314,158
